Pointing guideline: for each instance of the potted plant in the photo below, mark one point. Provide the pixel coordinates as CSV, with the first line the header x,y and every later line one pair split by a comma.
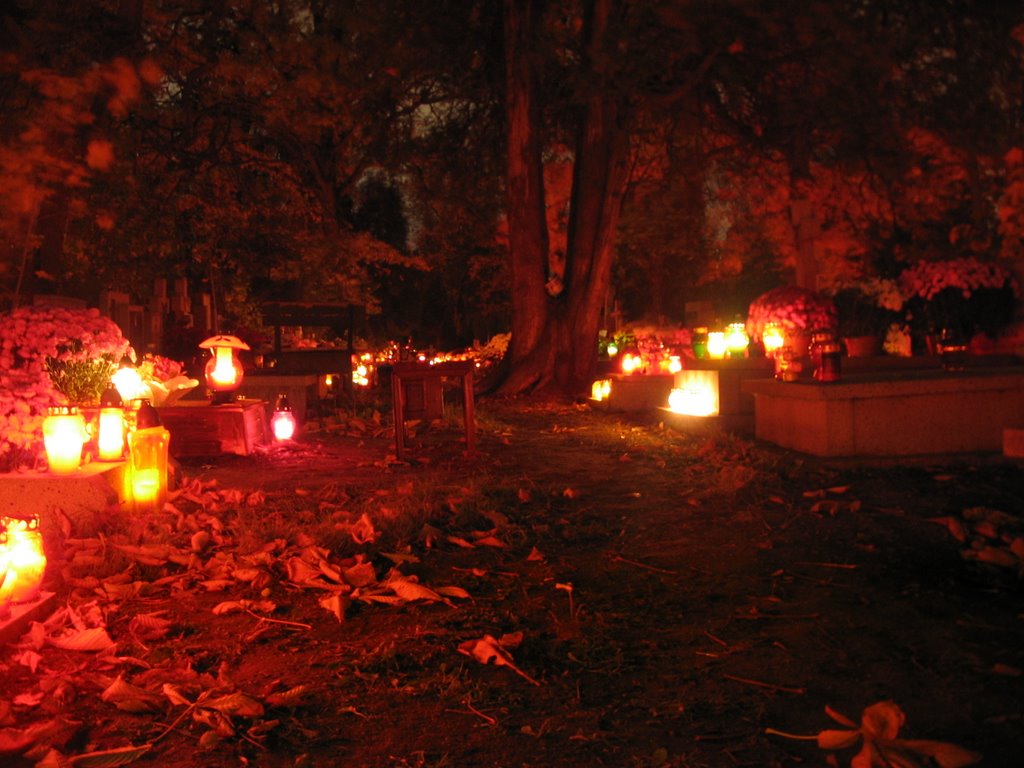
x,y
958,298
865,311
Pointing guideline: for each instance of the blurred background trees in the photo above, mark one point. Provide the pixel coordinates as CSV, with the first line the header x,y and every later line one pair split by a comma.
x,y
356,151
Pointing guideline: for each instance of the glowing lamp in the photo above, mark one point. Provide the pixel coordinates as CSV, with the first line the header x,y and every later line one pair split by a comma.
x,y
736,340
128,382
147,452
772,339
110,432
612,349
223,370
697,394
282,423
63,437
22,560
601,389
717,345
631,363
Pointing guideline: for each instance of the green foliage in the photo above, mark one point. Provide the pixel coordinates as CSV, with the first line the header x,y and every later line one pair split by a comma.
x,y
80,381
861,315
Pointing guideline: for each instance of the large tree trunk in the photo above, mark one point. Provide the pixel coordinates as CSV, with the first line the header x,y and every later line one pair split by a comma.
x,y
554,333
527,226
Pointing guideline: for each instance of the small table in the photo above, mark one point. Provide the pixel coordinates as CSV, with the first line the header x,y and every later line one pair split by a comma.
x,y
403,374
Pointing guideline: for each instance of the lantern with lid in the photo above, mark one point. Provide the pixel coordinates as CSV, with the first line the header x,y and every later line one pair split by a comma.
x,y
110,428
147,466
223,370
282,423
64,435
22,560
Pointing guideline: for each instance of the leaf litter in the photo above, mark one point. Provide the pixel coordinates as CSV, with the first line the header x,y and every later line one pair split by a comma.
x,y
115,621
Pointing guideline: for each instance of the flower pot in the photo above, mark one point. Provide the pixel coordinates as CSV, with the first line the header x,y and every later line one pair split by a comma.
x,y
862,346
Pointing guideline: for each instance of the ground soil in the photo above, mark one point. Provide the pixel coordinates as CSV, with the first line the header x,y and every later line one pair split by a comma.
x,y
677,595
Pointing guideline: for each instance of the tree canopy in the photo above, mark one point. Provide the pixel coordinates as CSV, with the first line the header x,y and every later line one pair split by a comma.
x,y
469,166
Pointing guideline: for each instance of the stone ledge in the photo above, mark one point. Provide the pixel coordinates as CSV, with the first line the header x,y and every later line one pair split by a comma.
x,y
636,392
910,414
86,496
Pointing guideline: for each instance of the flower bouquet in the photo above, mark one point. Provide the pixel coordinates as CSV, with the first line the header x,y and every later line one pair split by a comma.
x,y
164,379
793,309
960,296
50,355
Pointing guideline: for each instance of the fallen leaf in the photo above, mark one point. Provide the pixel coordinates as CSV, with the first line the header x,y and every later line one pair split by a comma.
x,y
489,541
235,704
363,531
28,658
361,574
293,697
131,698
487,650
149,626
400,557
109,758
336,604
94,639
453,592
409,590
175,696
997,556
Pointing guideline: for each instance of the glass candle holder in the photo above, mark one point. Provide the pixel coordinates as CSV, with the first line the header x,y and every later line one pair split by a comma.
x,y
110,429
22,560
64,434
147,473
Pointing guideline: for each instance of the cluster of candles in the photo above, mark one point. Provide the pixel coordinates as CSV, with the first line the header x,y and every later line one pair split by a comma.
x,y
133,434
731,342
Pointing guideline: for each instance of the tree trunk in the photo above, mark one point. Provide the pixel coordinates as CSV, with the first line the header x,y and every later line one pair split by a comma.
x,y
554,337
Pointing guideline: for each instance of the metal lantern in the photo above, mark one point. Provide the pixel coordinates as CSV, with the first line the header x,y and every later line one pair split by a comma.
x,y
223,370
282,423
110,430
22,560
64,435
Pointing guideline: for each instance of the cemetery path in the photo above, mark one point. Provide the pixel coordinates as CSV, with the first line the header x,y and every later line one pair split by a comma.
x,y
643,598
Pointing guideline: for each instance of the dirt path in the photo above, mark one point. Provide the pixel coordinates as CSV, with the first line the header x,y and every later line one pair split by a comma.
x,y
676,596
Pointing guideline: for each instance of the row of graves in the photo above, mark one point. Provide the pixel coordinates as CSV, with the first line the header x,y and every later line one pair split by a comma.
x,y
801,387
87,428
